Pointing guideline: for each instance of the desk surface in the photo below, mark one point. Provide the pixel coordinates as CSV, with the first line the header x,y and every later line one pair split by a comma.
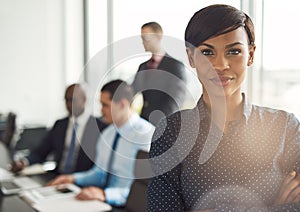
x,y
13,202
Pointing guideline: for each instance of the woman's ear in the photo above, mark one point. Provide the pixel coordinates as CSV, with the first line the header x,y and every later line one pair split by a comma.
x,y
251,55
190,54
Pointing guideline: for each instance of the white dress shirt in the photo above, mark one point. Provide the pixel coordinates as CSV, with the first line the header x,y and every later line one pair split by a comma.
x,y
81,123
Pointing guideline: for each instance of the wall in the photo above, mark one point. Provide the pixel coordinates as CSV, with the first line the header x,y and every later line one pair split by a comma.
x,y
34,67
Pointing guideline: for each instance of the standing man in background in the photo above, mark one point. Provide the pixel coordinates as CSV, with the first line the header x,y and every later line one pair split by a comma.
x,y
161,79
72,140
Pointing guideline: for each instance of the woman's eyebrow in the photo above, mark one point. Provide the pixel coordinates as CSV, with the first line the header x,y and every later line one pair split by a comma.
x,y
227,46
208,45
233,44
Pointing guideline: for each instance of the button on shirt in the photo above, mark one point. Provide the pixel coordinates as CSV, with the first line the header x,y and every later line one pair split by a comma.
x,y
244,172
135,135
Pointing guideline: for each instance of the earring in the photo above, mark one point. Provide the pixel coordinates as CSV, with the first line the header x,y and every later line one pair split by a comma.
x,y
250,61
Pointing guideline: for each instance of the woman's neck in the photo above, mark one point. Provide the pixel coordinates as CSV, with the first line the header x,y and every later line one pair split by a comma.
x,y
224,109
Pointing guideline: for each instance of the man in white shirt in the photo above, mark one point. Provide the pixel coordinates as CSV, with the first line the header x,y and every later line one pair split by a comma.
x,y
110,179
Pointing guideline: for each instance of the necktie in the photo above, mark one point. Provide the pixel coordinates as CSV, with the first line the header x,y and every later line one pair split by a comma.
x,y
111,159
69,159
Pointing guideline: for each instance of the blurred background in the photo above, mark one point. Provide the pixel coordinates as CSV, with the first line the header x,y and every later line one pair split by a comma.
x,y
49,44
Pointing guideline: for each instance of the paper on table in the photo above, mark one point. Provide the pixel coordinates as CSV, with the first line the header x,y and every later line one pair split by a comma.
x,y
49,192
38,168
33,169
71,204
5,174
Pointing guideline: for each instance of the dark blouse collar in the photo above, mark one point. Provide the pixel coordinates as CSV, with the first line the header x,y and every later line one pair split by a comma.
x,y
247,107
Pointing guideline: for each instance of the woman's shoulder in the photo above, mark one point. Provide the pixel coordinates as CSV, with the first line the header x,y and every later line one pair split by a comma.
x,y
179,122
272,114
266,110
185,115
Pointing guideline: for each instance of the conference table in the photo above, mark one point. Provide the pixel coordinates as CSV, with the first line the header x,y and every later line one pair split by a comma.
x,y
13,203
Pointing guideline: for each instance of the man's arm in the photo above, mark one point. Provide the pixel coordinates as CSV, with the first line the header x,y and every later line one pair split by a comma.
x,y
38,155
61,179
113,196
86,178
92,177
91,193
53,142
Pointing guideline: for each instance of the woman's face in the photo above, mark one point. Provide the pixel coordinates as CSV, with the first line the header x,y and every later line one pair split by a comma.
x,y
221,63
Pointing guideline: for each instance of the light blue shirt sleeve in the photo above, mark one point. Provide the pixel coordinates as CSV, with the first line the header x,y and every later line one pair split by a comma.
x,y
93,176
136,134
116,196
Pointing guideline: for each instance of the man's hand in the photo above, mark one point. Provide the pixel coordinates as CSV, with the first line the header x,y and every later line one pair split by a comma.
x,y
17,166
62,179
91,193
290,190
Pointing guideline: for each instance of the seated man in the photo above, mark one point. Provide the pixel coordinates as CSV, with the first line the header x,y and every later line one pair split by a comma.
x,y
110,179
60,141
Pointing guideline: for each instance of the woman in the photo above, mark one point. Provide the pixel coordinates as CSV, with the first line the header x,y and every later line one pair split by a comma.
x,y
226,154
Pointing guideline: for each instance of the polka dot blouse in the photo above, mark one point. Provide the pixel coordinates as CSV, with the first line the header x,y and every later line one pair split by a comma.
x,y
198,167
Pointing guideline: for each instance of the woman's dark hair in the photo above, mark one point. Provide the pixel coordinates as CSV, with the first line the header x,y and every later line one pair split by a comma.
x,y
216,20
118,90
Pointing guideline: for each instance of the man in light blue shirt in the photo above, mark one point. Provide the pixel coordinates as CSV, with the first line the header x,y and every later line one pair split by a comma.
x,y
110,179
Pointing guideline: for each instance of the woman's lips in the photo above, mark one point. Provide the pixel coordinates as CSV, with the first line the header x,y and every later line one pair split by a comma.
x,y
221,80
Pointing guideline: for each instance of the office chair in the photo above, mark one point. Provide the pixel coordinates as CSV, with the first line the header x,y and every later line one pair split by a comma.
x,y
30,138
9,129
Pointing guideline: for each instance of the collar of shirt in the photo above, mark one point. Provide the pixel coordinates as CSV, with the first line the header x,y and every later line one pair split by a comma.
x,y
158,57
247,107
131,128
81,122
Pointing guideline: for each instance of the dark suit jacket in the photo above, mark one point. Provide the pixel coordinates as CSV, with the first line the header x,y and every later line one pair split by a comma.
x,y
163,89
54,143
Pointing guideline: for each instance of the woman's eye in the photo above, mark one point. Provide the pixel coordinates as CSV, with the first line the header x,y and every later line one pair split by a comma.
x,y
207,52
234,51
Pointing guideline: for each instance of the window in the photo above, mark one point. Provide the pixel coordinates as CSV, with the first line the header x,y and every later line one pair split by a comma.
x,y
127,50
278,74
274,79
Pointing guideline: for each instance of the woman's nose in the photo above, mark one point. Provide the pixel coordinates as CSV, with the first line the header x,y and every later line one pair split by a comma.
x,y
220,63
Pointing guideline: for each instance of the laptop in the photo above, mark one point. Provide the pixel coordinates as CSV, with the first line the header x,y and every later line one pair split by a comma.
x,y
10,184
